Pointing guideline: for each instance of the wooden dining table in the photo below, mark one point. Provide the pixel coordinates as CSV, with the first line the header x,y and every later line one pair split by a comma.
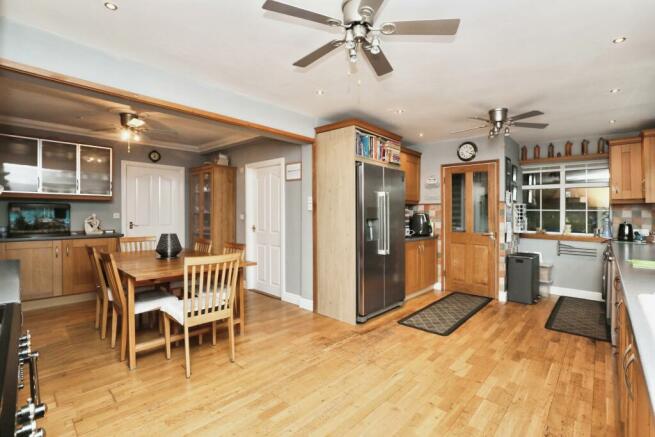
x,y
141,268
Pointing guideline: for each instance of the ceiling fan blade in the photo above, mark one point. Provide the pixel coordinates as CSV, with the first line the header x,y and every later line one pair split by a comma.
x,y
479,119
469,129
318,53
379,62
282,8
531,125
369,8
422,27
526,115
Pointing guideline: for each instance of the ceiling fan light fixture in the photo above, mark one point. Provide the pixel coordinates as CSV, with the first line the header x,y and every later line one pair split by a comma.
x,y
111,6
135,122
125,134
136,137
619,40
612,121
352,55
615,90
375,46
507,131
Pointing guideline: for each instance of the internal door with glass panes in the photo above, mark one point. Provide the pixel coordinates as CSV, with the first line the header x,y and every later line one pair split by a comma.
x,y
201,204
470,224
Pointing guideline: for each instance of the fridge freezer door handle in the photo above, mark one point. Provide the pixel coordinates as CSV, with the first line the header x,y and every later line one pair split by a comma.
x,y
387,235
382,217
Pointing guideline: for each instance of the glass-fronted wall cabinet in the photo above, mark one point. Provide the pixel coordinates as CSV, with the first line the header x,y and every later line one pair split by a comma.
x,y
31,167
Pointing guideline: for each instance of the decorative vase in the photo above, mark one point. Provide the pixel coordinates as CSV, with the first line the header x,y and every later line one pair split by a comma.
x,y
524,153
551,150
537,152
601,145
568,148
584,147
168,246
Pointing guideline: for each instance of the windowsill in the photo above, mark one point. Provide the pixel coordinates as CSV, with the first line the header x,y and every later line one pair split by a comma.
x,y
563,237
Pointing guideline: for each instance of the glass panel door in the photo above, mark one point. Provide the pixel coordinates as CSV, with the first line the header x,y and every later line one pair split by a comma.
x,y
480,202
58,167
458,211
19,160
206,205
195,206
95,170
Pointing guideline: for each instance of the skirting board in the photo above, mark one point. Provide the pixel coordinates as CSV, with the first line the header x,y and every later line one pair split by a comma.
x,y
57,301
302,302
572,292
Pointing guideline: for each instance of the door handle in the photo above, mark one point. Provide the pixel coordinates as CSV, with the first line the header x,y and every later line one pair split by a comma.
x,y
491,235
68,250
57,252
254,228
131,225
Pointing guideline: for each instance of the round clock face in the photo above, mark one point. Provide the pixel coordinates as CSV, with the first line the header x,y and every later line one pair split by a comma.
x,y
467,151
154,156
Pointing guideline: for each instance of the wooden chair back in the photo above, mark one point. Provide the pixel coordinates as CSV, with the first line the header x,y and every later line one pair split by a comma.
x,y
210,284
239,248
137,244
203,245
98,275
114,281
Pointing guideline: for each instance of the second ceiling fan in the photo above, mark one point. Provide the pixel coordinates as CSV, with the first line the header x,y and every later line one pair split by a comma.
x,y
360,34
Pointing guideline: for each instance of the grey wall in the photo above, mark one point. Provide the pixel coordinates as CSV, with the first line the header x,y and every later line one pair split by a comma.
x,y
263,150
307,238
445,152
105,210
576,272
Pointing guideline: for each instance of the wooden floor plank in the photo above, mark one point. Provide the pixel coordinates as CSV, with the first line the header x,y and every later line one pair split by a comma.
x,y
501,373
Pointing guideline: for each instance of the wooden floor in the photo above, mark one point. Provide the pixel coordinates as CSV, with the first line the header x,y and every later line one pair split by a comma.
x,y
501,373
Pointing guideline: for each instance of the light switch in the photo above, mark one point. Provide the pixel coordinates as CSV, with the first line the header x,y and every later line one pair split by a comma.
x,y
242,217
117,215
310,202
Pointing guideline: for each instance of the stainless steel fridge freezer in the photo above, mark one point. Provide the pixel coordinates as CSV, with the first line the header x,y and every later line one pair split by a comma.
x,y
380,239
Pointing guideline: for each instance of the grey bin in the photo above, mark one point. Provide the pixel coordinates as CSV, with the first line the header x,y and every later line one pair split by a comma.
x,y
523,277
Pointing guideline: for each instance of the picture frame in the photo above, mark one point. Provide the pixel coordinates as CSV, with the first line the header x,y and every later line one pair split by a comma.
x,y
515,174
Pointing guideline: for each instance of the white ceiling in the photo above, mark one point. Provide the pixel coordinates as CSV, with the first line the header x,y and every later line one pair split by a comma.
x,y
555,56
42,105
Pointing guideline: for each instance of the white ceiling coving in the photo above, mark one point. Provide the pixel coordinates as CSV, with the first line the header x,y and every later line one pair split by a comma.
x,y
554,56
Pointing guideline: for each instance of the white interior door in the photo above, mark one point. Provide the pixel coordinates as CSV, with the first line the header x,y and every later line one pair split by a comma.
x,y
153,200
265,227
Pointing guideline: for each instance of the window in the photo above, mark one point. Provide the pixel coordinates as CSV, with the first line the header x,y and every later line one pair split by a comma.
x,y
568,194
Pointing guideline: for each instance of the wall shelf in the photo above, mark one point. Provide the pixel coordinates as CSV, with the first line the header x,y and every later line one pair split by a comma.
x,y
563,237
572,158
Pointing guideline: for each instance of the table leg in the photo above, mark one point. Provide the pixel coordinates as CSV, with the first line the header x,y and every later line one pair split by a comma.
x,y
242,303
131,329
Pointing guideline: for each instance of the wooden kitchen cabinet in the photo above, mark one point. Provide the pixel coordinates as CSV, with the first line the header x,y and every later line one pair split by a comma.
x,y
40,267
410,163
635,409
77,274
420,264
626,170
648,159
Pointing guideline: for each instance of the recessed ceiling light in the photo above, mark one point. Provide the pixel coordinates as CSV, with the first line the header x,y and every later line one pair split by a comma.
x,y
111,6
612,121
399,111
619,40
615,90
420,134
320,92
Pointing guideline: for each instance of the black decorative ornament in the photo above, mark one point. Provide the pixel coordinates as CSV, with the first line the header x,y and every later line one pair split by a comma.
x,y
154,155
168,246
467,151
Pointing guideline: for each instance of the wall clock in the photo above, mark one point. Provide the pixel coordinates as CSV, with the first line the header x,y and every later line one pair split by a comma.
x,y
154,156
467,151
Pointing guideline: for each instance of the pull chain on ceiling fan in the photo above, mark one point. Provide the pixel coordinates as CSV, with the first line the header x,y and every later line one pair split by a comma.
x,y
360,34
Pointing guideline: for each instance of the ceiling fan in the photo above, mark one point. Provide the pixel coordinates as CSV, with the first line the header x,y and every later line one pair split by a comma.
x,y
499,118
359,31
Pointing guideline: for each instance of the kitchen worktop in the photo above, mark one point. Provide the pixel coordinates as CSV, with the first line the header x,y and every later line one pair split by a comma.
x,y
428,237
76,235
9,281
639,289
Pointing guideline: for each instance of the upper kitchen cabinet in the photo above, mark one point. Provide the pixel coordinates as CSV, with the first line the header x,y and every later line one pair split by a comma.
x,y
45,169
648,158
626,171
410,163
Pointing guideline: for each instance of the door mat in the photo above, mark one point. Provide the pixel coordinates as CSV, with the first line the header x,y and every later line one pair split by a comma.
x,y
446,315
579,317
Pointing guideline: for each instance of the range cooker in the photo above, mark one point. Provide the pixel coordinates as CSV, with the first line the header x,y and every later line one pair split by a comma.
x,y
15,356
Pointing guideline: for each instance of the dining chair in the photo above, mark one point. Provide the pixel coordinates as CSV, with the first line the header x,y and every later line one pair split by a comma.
x,y
137,244
203,245
239,248
104,295
144,302
210,284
